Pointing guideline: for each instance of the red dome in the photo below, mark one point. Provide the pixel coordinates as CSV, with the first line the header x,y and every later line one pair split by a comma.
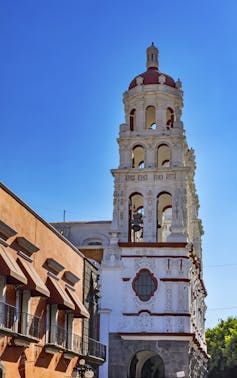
x,y
151,76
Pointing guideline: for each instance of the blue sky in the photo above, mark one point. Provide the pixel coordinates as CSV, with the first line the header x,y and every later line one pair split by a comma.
x,y
64,66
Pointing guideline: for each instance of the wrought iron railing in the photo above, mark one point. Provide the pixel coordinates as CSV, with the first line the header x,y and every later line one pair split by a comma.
x,y
30,325
74,343
19,322
58,336
96,349
7,317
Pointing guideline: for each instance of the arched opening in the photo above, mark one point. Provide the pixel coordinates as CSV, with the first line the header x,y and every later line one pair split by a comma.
x,y
138,157
164,216
146,364
151,117
169,118
132,119
135,216
163,156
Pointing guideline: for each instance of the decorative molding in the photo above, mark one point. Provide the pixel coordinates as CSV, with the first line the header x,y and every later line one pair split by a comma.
x,y
169,296
3,242
169,279
142,262
152,245
6,230
53,265
157,336
28,247
24,256
162,314
50,274
70,277
155,256
140,304
144,322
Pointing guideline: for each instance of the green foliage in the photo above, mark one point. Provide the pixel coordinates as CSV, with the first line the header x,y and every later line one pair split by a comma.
x,y
222,348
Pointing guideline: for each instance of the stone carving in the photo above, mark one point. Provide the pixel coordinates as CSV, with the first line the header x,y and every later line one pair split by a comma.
x,y
178,84
168,325
158,177
139,80
178,113
111,258
171,176
180,297
144,262
164,353
144,322
162,79
124,323
140,304
179,207
169,295
181,325
168,265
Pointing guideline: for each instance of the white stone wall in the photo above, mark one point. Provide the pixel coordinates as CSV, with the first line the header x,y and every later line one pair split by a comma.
x,y
170,296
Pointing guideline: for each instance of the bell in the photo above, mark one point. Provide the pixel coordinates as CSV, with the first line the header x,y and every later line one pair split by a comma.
x,y
136,227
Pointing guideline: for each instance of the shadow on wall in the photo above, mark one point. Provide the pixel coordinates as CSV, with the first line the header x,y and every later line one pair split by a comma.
x,y
62,364
12,355
43,359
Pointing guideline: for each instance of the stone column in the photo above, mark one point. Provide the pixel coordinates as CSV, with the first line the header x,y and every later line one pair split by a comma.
x,y
140,116
179,204
148,218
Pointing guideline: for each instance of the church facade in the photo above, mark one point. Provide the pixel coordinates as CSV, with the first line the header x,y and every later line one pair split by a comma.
x,y
152,307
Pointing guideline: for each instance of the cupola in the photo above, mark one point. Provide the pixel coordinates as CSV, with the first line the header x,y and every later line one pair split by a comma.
x,y
152,75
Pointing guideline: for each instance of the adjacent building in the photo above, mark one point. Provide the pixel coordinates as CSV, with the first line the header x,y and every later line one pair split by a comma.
x,y
43,321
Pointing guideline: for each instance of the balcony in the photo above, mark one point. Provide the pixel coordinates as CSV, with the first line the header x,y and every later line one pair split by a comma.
x,y
29,325
8,316
74,344
58,336
61,339
23,326
96,349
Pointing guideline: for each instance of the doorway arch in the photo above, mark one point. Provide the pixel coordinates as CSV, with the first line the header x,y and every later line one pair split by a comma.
x,y
146,364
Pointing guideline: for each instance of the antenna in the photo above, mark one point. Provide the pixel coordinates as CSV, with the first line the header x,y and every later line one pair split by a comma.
x,y
64,215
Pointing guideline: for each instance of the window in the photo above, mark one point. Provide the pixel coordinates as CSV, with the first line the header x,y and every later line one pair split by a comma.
x,y
135,216
164,216
163,156
144,285
138,157
151,117
169,118
132,119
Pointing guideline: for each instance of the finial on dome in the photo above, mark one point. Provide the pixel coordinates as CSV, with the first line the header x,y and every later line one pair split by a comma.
x,y
152,54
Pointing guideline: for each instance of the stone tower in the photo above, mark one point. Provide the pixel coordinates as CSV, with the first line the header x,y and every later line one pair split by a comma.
x,y
152,304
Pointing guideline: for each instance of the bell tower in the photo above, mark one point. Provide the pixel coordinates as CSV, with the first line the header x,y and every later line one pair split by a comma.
x,y
152,306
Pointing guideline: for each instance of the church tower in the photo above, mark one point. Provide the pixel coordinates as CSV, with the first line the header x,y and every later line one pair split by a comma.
x,y
152,290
